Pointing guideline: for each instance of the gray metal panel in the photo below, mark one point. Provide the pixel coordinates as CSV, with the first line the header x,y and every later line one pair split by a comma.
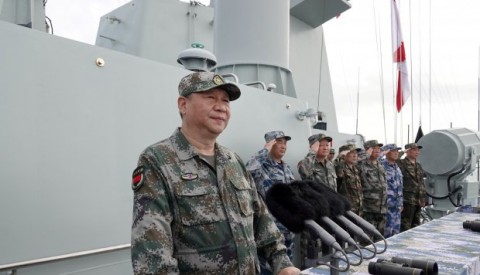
x,y
262,38
256,49
115,263
309,66
29,13
156,30
310,71
71,135
317,12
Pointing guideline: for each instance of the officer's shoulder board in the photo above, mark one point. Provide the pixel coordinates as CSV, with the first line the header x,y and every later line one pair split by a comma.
x,y
138,178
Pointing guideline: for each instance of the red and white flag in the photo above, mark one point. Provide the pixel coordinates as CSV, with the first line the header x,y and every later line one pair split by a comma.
x,y
403,86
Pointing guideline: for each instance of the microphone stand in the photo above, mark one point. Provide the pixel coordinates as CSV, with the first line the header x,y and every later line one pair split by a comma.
x,y
328,255
333,248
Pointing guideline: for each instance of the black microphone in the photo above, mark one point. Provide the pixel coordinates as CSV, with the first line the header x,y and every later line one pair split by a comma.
x,y
347,206
323,209
295,213
338,205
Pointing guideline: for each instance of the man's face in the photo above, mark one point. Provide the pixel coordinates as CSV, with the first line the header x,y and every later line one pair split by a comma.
x,y
351,157
279,148
207,112
323,149
375,152
413,153
392,155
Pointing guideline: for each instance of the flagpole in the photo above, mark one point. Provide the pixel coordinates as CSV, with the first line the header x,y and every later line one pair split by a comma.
x,y
411,63
358,99
429,72
399,57
408,135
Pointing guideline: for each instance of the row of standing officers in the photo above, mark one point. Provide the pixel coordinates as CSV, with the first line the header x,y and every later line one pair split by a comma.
x,y
385,190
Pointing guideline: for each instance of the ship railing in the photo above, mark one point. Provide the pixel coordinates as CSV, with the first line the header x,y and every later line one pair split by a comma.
x,y
230,75
253,83
256,83
13,267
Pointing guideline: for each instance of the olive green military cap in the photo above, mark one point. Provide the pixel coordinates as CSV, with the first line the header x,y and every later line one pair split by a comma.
x,y
313,138
198,82
413,145
349,148
372,143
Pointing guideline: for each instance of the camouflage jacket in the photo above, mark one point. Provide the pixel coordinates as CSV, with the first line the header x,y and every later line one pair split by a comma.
x,y
311,169
394,185
374,186
265,171
191,218
350,185
413,182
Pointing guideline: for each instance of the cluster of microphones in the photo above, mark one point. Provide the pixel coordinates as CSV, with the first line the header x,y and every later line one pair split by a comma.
x,y
472,225
325,214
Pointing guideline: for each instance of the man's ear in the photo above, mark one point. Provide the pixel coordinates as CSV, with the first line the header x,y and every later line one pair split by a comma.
x,y
182,104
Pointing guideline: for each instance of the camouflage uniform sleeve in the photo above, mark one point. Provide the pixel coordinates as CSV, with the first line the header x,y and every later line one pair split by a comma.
x,y
421,183
339,170
400,188
152,242
254,166
360,167
269,240
305,166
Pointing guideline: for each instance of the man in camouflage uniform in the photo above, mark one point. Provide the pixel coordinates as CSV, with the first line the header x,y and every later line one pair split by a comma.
x,y
196,208
374,186
315,166
394,190
267,168
413,187
348,177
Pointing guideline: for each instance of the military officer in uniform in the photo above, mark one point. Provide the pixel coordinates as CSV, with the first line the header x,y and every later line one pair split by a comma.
x,y
374,186
267,168
315,166
196,209
348,176
394,190
413,186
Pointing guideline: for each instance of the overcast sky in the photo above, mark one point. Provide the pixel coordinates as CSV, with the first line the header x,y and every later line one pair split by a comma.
x,y
443,33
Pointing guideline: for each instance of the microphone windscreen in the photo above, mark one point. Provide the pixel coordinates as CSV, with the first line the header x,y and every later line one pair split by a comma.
x,y
317,200
288,208
346,202
337,207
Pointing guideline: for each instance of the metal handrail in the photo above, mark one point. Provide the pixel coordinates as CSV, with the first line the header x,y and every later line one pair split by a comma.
x,y
256,83
234,76
17,265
